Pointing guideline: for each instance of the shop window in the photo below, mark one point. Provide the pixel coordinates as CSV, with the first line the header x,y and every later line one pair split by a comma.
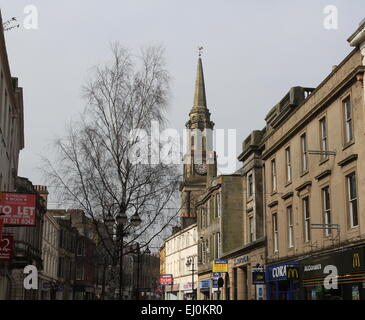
x,y
235,284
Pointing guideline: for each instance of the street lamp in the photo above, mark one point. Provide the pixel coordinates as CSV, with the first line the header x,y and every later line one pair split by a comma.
x,y
190,262
121,219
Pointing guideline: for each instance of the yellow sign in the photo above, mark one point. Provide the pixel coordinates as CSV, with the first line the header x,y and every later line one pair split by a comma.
x,y
220,266
292,273
356,260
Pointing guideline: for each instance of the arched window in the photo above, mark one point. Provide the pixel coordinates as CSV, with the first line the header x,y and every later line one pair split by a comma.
x,y
204,148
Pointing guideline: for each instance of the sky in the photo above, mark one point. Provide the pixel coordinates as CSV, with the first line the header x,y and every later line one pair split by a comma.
x,y
254,52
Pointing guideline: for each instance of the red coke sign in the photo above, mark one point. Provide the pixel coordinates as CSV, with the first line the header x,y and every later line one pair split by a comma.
x,y
6,248
18,208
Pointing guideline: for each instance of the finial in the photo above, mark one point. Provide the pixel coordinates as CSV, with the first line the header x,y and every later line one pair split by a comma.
x,y
200,51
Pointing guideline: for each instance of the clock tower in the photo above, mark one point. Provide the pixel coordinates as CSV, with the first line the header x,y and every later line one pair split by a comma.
x,y
200,160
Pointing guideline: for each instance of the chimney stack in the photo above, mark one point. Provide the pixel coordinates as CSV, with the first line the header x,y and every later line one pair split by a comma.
x,y
43,192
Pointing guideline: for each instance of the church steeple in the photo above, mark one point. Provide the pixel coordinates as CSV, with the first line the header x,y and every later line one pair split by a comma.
x,y
199,117
200,99
200,162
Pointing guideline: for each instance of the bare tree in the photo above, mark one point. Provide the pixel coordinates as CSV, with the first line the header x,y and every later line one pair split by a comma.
x,y
94,171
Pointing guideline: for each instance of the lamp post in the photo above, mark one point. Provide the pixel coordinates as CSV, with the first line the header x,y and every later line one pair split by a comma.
x,y
190,262
121,221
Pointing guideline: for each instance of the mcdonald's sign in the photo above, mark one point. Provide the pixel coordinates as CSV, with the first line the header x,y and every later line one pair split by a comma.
x,y
292,272
356,260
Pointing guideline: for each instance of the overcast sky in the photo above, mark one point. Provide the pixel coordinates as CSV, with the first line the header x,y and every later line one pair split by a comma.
x,y
254,52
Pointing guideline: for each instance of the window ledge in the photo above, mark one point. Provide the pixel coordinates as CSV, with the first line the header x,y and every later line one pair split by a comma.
x,y
347,160
348,145
322,175
323,161
288,184
304,173
287,195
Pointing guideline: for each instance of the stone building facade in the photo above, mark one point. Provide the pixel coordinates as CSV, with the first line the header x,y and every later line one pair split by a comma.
x,y
66,256
11,120
147,282
11,141
314,186
27,245
49,274
250,252
180,246
220,226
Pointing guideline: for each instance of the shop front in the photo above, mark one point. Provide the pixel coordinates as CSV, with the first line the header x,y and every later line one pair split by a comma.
x,y
282,281
239,283
4,286
338,275
204,288
188,290
172,291
84,292
48,289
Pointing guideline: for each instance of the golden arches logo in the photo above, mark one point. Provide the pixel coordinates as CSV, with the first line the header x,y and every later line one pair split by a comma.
x,y
356,260
293,273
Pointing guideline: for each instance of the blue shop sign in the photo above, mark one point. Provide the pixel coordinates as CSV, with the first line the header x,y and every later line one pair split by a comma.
x,y
219,261
205,284
240,260
278,272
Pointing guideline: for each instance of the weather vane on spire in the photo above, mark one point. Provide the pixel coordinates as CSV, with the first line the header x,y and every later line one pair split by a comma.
x,y
200,51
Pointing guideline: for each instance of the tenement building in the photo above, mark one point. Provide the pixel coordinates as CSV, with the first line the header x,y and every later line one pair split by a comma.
x,y
48,285
220,228
181,262
314,171
27,244
248,255
11,142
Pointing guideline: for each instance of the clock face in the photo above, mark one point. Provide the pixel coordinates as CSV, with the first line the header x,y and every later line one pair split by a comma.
x,y
201,169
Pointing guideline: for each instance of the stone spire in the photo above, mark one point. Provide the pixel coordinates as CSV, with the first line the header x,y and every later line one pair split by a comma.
x,y
199,117
200,99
